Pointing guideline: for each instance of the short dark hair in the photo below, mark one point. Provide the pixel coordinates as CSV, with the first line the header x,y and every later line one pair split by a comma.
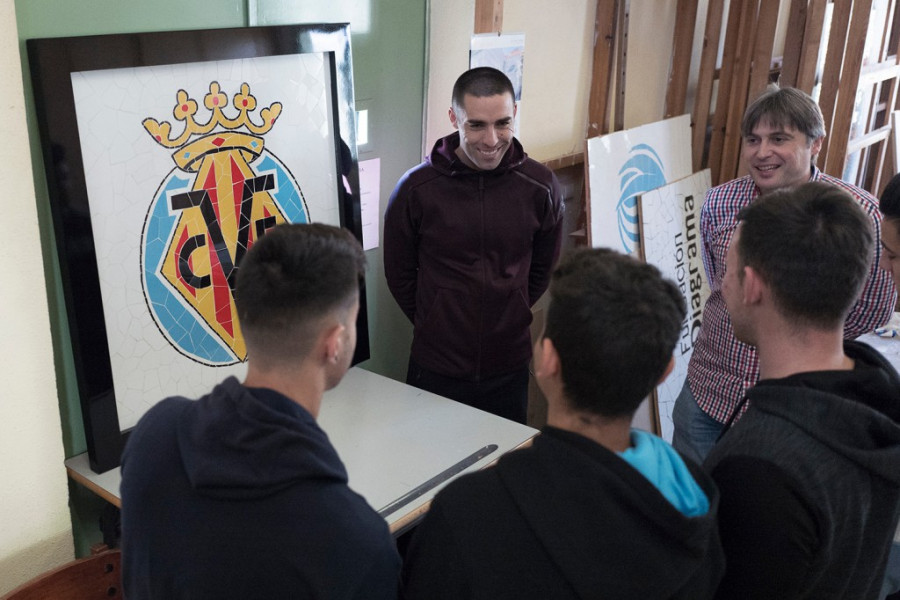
x,y
785,107
481,82
614,322
889,204
292,277
813,245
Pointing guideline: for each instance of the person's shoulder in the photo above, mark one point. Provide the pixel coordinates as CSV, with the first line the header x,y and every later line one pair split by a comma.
x,y
536,170
163,412
475,485
421,174
741,186
156,429
861,195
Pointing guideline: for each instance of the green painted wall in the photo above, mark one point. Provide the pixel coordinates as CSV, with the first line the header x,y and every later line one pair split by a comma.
x,y
388,43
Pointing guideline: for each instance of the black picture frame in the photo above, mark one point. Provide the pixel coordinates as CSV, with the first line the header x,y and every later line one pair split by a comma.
x,y
52,63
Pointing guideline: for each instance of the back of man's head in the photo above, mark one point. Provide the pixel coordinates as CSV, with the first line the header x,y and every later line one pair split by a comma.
x,y
614,322
785,107
481,82
813,246
292,278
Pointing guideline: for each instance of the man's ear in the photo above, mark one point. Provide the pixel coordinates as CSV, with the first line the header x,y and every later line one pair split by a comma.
x,y
453,119
547,360
332,342
668,370
754,286
816,146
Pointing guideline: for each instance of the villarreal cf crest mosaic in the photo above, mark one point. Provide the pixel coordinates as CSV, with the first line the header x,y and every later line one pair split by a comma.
x,y
168,155
224,192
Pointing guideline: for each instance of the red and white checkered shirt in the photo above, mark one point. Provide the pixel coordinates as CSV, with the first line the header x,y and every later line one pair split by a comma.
x,y
721,368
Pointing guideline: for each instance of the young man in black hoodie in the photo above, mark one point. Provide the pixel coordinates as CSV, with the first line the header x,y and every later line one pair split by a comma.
x,y
593,509
240,494
810,474
890,262
470,238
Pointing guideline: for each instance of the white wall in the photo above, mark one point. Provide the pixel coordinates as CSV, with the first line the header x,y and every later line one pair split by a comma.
x,y
558,60
35,526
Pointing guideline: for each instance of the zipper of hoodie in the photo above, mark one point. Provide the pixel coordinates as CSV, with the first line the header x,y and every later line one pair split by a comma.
x,y
484,276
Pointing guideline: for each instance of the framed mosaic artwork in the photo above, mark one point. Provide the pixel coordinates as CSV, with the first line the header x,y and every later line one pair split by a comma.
x,y
167,156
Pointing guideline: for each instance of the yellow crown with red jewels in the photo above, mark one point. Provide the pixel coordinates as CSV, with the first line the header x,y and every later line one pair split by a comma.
x,y
189,155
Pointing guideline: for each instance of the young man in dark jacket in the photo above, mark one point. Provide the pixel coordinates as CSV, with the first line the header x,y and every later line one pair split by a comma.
x,y
240,494
470,238
810,474
593,509
889,204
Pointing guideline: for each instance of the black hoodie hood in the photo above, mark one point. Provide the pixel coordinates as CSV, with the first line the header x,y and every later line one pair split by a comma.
x,y
239,442
854,413
605,501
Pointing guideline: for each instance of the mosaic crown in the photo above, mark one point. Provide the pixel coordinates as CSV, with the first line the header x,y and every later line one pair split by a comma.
x,y
186,108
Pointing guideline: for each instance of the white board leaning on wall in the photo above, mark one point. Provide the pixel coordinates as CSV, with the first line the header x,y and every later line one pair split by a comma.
x,y
625,164
670,240
621,167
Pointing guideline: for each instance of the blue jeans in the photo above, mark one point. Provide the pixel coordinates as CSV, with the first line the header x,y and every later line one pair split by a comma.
x,y
695,431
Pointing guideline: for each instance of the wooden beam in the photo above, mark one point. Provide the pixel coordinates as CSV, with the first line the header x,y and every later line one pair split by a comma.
x,y
624,12
680,68
708,55
793,42
831,78
726,76
488,16
739,83
889,23
853,57
812,40
761,62
879,73
601,71
870,139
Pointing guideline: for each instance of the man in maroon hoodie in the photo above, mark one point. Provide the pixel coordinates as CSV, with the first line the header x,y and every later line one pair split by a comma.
x,y
470,238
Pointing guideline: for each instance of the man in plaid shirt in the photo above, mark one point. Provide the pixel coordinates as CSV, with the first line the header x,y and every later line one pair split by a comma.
x,y
782,132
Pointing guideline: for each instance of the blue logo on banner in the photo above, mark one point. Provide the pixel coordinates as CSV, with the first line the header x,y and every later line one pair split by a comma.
x,y
642,172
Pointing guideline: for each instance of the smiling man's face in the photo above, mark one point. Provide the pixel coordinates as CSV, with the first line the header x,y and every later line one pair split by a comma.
x,y
485,129
777,156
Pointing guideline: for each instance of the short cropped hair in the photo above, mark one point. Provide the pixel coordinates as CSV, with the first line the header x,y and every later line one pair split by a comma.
x,y
481,82
890,199
292,277
614,322
813,245
785,107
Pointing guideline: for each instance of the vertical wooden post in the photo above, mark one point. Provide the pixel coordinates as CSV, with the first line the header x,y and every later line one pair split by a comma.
x,y
621,56
849,82
727,74
812,40
682,44
762,49
488,16
834,58
737,100
601,71
793,43
714,12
